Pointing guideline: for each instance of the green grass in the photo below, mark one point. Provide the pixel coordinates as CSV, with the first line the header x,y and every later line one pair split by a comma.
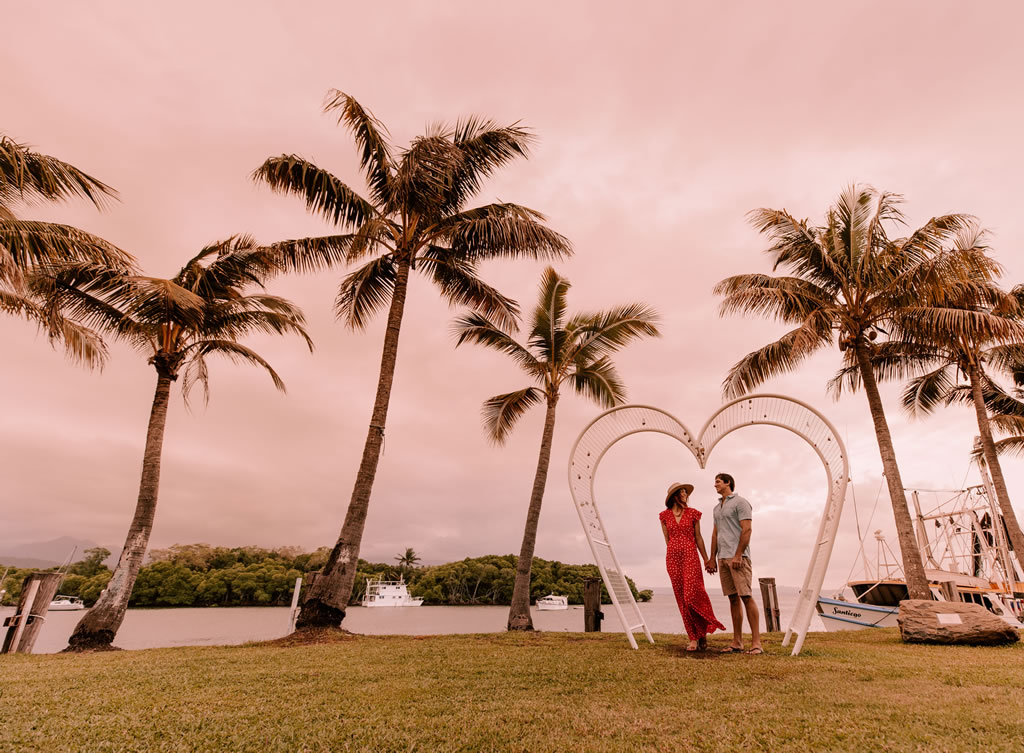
x,y
863,691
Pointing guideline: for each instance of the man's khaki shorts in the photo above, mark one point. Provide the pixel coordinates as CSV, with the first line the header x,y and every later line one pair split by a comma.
x,y
735,581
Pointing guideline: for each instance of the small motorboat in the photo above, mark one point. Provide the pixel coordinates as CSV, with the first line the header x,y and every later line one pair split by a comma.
x,y
552,602
66,604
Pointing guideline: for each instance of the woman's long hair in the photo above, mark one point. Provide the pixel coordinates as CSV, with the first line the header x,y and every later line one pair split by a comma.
x,y
672,500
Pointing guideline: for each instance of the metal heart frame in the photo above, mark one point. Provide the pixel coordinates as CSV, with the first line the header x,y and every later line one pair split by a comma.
x,y
769,410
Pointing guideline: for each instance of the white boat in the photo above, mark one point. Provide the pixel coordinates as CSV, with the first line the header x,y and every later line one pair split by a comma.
x,y
389,593
966,557
66,604
552,602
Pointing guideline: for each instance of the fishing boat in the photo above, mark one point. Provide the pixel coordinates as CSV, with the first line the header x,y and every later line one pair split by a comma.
x,y
66,604
389,593
552,602
966,556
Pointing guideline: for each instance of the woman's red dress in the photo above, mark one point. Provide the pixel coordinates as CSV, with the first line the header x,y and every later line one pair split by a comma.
x,y
684,568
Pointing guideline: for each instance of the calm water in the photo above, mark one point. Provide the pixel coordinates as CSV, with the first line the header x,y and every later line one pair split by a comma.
x,y
155,628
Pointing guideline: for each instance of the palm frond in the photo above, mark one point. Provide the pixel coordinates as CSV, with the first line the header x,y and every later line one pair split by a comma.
x,y
785,299
81,344
235,352
505,231
266,314
28,244
892,360
370,134
458,282
1012,446
324,194
27,175
601,334
547,335
926,392
501,412
475,327
483,147
779,357
600,382
365,292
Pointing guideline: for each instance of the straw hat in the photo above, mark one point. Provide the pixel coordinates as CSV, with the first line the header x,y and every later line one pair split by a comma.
x,y
688,488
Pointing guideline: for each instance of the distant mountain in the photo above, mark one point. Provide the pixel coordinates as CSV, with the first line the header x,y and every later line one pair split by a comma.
x,y
50,553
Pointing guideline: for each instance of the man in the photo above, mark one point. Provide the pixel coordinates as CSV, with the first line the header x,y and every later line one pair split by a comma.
x,y
730,556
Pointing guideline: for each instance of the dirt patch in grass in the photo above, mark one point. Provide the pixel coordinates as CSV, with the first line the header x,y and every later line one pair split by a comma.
x,y
310,637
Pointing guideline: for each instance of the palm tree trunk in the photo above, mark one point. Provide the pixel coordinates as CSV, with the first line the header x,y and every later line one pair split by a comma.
x,y
988,448
329,591
519,612
913,569
96,630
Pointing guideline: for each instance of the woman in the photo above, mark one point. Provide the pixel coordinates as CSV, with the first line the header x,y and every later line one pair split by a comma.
x,y
680,524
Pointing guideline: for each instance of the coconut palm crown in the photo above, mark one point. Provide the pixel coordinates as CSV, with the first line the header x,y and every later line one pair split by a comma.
x,y
414,217
178,323
958,364
28,249
561,350
850,282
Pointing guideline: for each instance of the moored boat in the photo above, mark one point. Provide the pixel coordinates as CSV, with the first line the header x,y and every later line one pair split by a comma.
x,y
389,593
553,602
62,603
967,557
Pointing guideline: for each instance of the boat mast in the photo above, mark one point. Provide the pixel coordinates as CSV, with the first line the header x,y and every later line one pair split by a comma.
x,y
998,531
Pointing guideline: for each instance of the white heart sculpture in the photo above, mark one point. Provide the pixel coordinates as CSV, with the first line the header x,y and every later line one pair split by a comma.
x,y
772,410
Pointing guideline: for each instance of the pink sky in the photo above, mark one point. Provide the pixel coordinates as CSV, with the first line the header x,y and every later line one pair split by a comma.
x,y
659,127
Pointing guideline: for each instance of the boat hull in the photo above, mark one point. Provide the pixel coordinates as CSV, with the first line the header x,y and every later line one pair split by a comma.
x,y
844,615
66,607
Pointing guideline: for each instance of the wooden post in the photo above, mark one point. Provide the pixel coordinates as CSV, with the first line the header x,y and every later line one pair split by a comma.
x,y
293,613
37,592
592,614
770,600
949,592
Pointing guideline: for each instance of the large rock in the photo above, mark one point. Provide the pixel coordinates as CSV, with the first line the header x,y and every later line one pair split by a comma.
x,y
952,622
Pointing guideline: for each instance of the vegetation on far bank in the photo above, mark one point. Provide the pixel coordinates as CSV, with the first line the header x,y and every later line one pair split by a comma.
x,y
199,575
532,692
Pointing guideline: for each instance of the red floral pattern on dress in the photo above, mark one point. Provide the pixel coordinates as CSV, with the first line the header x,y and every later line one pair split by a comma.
x,y
684,569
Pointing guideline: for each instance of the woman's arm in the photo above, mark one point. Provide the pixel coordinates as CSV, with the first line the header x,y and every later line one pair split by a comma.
x,y
700,541
664,532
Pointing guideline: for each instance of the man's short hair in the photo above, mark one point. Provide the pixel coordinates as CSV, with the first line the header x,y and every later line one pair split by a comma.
x,y
727,479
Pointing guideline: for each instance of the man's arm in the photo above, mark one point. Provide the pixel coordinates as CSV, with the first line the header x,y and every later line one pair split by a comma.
x,y
737,560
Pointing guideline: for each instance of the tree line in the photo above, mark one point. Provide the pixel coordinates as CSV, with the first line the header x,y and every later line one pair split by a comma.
x,y
199,575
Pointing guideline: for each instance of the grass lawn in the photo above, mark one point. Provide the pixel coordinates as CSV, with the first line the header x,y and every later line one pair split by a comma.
x,y
857,691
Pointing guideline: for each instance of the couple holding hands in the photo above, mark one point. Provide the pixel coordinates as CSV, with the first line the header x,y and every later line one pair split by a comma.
x,y
730,558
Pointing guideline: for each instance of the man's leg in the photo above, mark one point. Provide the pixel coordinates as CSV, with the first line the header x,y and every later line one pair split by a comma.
x,y
736,609
753,617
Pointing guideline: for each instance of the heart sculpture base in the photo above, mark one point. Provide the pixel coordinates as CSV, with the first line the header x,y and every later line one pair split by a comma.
x,y
765,410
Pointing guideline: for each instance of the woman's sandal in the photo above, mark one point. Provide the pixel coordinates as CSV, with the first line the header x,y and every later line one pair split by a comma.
x,y
692,646
702,644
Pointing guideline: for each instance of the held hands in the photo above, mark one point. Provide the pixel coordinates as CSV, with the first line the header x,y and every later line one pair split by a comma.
x,y
711,566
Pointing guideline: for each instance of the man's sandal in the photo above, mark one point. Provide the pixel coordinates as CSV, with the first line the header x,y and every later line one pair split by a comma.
x,y
730,650
756,651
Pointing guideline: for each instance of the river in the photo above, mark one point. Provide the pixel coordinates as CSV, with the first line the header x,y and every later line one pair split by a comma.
x,y
212,626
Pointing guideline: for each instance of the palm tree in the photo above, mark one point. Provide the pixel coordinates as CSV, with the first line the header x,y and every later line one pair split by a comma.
x,y
408,558
851,281
984,339
415,218
576,351
28,249
202,311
